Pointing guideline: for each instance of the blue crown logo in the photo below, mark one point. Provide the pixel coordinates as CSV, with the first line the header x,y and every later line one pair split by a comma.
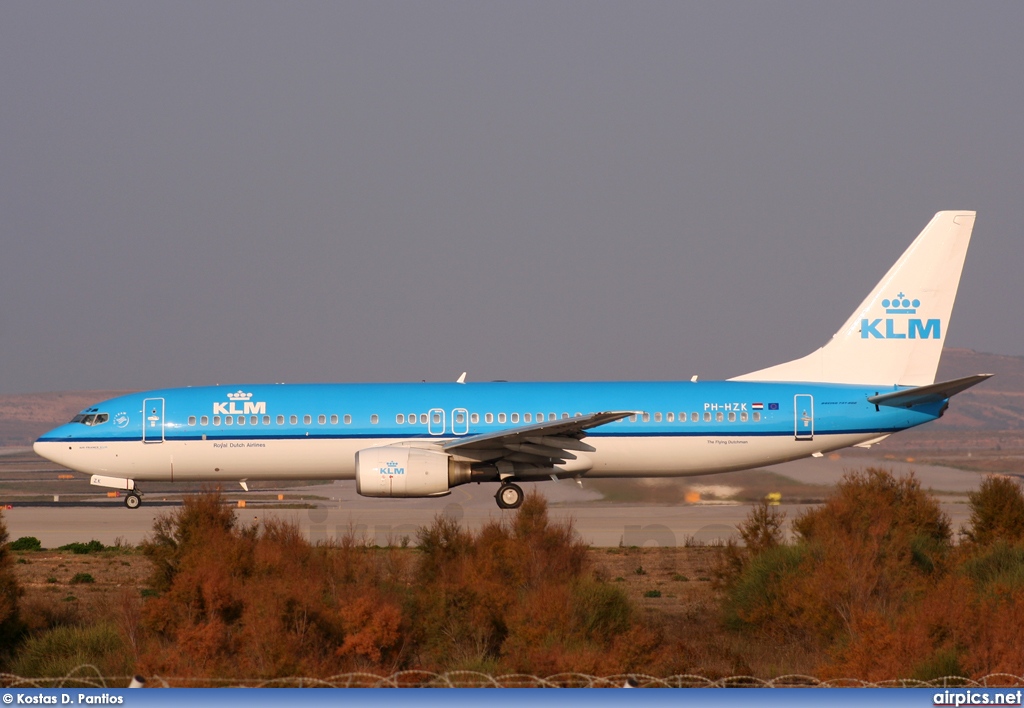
x,y
901,305
239,396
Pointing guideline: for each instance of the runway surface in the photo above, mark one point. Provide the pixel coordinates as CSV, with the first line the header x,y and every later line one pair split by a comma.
x,y
384,521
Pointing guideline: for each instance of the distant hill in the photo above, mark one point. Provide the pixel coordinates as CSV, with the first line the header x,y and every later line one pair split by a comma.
x,y
26,416
997,404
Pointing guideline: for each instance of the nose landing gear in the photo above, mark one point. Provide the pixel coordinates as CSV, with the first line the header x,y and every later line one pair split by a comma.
x,y
509,496
133,500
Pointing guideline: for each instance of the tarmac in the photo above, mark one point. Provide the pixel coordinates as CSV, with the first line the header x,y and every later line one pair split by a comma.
x,y
396,521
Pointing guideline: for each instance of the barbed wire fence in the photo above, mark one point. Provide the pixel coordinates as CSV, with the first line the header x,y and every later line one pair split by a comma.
x,y
88,676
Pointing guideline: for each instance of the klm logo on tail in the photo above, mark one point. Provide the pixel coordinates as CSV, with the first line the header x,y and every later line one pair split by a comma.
x,y
900,328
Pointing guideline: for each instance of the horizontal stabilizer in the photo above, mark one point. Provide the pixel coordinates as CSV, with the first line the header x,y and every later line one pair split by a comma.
x,y
932,393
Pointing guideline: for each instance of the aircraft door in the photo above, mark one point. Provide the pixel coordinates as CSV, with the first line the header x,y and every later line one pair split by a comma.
x,y
153,420
435,421
803,416
460,421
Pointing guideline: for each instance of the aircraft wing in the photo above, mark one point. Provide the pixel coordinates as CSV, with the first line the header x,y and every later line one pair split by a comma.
x,y
540,444
931,393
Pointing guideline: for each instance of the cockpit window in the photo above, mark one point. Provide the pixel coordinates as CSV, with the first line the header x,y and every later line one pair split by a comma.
x,y
91,418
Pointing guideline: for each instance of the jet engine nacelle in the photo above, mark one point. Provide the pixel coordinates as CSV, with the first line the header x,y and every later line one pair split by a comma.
x,y
397,471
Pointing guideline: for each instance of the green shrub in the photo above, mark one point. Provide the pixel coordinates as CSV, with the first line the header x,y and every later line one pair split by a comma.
x,y
60,650
944,662
762,529
82,579
1001,564
82,549
760,590
997,511
27,543
600,610
652,593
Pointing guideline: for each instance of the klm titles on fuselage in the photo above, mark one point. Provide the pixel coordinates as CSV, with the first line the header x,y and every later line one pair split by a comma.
x,y
248,408
240,398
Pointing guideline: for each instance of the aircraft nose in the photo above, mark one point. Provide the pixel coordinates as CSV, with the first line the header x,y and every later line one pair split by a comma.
x,y
44,449
51,445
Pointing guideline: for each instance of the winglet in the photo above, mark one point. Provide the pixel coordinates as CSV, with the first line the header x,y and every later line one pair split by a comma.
x,y
461,379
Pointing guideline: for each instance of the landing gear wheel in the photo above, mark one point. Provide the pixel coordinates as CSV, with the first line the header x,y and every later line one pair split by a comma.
x,y
509,496
133,500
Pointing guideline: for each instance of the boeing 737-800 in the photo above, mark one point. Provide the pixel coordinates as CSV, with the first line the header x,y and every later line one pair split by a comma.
x,y
875,377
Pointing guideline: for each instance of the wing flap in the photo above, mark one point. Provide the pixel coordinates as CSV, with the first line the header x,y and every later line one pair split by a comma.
x,y
562,442
540,450
544,444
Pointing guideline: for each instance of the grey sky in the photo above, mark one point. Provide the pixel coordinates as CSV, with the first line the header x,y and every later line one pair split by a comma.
x,y
202,192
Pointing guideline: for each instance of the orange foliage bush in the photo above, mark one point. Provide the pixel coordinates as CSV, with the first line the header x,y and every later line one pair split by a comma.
x,y
263,602
371,627
518,596
997,511
866,553
969,620
874,547
11,625
874,581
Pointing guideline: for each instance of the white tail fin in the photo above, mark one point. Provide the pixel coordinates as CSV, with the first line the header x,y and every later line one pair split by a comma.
x,y
896,335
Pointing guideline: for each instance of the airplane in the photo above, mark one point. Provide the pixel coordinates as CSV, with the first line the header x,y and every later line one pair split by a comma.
x,y
873,378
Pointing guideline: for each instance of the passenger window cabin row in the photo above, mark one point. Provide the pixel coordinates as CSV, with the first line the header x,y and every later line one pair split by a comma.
x,y
695,417
459,418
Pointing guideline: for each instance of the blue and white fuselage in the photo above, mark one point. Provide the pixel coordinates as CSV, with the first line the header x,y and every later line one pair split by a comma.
x,y
314,430
422,439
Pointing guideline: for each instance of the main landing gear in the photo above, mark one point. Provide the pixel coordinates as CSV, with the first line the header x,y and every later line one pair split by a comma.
x,y
134,499
509,496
